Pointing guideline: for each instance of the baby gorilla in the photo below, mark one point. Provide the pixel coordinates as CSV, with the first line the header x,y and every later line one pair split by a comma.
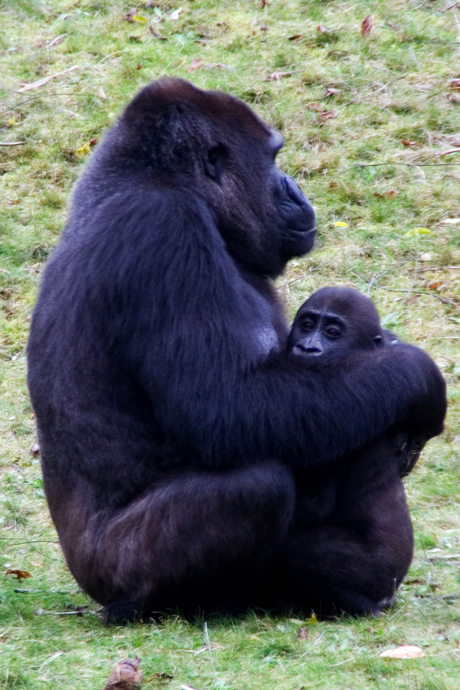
x,y
351,515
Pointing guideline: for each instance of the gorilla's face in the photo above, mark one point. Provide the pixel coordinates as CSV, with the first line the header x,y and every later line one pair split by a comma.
x,y
333,322
262,213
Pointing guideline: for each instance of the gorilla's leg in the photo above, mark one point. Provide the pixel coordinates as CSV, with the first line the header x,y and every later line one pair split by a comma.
x,y
332,570
355,558
198,540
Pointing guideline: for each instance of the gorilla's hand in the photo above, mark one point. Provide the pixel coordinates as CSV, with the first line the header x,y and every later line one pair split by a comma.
x,y
408,447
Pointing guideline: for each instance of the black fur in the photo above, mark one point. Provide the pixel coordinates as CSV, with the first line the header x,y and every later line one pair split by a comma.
x,y
169,416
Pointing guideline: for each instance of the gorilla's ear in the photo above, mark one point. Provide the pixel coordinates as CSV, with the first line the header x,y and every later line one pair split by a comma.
x,y
216,161
377,339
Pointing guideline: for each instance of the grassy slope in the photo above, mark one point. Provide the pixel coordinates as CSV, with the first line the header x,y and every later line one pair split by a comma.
x,y
344,146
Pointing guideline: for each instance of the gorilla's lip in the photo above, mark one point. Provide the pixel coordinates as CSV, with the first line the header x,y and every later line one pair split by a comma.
x,y
306,231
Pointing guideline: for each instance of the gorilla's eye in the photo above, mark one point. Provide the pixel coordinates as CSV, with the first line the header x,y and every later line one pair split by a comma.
x,y
333,332
307,325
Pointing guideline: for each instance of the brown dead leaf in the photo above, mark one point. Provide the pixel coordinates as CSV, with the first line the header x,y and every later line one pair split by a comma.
x,y
20,574
296,37
157,34
436,285
411,299
391,193
195,64
317,107
125,676
453,98
366,26
327,115
129,16
84,150
405,652
263,3
276,76
405,142
331,92
454,84
303,633
424,87
322,30
34,268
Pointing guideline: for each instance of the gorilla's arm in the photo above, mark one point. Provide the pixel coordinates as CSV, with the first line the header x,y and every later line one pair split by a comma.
x,y
195,351
408,441
278,409
224,403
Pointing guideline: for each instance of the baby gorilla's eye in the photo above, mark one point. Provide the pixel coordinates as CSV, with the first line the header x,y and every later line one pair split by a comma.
x,y
307,325
333,332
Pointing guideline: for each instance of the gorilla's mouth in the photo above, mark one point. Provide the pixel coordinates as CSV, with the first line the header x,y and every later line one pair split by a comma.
x,y
295,209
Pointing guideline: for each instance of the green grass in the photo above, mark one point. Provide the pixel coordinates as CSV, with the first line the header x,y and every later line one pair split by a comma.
x,y
344,106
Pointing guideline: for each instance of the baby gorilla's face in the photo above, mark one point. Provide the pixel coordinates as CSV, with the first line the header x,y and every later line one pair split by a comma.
x,y
334,322
318,332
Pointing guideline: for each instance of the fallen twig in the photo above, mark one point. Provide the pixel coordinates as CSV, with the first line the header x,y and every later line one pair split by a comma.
x,y
416,292
447,153
42,82
16,106
55,41
376,165
48,591
347,661
32,541
449,7
79,613
12,143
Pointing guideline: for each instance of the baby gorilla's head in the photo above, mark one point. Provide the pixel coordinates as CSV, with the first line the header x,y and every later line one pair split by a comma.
x,y
333,322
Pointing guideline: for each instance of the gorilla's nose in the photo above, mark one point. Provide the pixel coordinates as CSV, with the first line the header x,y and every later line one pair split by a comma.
x,y
310,350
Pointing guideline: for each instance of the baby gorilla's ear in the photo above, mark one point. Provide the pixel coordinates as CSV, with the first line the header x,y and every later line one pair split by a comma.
x,y
377,340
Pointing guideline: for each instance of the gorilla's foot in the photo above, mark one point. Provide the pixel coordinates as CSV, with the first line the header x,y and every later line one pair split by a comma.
x,y
121,611
386,603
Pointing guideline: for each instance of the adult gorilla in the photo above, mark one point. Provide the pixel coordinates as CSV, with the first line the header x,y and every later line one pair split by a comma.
x,y
167,434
